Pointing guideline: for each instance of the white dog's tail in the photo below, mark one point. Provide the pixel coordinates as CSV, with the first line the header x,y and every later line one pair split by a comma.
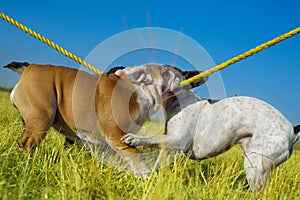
x,y
17,66
297,131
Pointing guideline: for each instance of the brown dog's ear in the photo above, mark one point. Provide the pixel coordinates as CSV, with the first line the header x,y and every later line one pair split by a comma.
x,y
190,74
114,69
135,74
140,76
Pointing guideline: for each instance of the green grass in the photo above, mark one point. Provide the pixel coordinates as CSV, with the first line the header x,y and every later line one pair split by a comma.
x,y
59,171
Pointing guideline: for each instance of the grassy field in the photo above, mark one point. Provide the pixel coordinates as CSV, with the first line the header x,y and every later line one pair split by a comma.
x,y
59,171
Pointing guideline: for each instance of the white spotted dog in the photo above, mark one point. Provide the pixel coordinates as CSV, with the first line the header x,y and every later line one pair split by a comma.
x,y
204,130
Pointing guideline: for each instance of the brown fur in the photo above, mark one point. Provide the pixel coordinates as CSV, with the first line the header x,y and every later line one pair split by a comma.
x,y
69,100
94,108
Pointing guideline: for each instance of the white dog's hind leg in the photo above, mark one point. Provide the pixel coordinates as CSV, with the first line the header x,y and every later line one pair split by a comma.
x,y
257,169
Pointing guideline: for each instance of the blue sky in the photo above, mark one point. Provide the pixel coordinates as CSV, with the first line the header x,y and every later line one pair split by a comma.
x,y
223,28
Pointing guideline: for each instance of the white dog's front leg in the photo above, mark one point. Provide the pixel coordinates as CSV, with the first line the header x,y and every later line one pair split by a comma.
x,y
146,141
168,142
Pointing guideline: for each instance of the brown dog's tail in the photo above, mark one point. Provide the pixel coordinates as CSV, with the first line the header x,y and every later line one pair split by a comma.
x,y
17,66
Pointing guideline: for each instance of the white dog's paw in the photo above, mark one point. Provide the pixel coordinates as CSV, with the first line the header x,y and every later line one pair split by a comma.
x,y
131,139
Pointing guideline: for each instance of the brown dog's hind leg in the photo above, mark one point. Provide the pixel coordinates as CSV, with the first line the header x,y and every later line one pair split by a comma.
x,y
36,127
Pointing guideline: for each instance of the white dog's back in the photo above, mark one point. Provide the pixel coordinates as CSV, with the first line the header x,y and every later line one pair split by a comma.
x,y
265,135
230,120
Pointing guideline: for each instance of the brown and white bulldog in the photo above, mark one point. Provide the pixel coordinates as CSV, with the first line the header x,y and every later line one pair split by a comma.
x,y
91,108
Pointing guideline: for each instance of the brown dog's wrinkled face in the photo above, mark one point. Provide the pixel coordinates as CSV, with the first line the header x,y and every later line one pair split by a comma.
x,y
166,77
161,81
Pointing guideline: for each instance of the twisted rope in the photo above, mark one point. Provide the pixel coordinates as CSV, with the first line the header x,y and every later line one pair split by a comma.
x,y
241,56
183,83
50,43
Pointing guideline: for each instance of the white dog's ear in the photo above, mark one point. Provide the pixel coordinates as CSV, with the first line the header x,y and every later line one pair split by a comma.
x,y
173,81
190,74
172,84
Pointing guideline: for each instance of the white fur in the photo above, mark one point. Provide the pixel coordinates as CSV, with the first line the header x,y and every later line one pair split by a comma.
x,y
12,94
206,130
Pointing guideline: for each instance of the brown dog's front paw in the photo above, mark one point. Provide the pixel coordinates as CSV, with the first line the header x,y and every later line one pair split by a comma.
x,y
27,143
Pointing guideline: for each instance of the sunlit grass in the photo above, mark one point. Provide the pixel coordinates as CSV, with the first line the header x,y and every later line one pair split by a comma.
x,y
56,170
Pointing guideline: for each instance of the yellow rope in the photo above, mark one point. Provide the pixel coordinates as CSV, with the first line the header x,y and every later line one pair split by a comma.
x,y
183,83
241,56
50,43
